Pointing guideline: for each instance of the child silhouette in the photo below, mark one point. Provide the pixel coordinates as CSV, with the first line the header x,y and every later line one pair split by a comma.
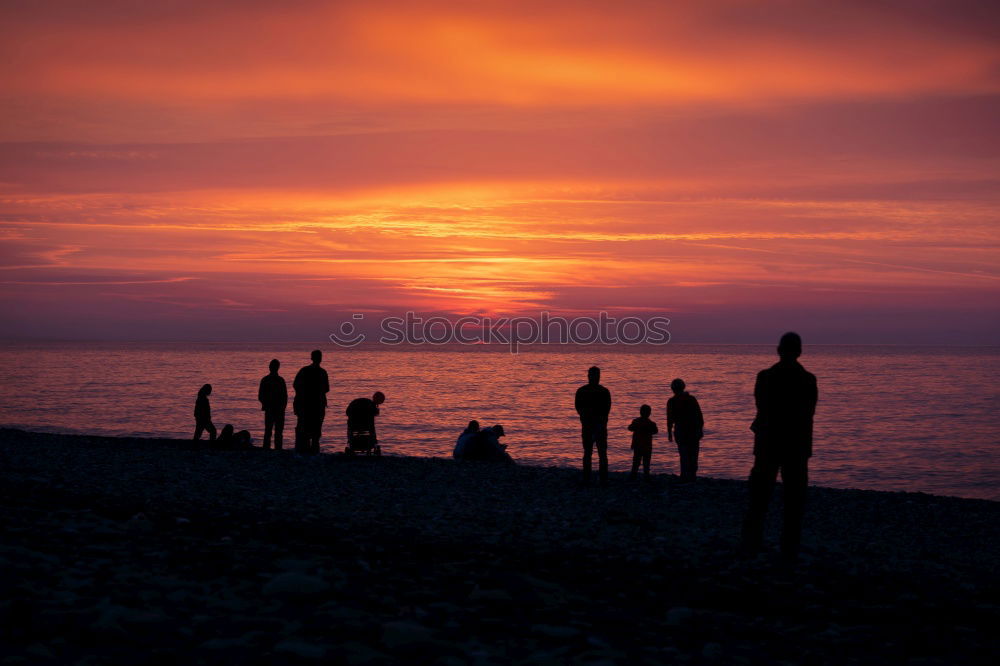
x,y
642,440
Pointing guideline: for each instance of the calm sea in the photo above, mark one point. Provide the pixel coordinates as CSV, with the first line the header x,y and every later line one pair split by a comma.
x,y
889,418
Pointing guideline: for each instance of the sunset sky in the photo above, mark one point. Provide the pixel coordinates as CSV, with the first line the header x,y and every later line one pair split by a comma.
x,y
255,170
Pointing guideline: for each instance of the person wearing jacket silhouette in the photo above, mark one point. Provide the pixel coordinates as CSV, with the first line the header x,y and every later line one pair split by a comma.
x,y
593,404
685,425
311,386
273,397
786,396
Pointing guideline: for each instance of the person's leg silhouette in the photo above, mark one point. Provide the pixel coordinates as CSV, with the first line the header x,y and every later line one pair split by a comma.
x,y
588,452
279,429
602,452
268,428
762,479
794,482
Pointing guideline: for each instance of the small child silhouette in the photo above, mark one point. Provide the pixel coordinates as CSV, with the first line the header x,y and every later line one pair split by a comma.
x,y
642,440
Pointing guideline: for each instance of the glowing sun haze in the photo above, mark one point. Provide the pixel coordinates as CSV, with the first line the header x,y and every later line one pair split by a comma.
x,y
259,170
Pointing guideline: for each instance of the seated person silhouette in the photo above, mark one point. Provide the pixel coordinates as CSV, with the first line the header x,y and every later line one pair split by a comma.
x,y
470,433
231,440
484,445
361,413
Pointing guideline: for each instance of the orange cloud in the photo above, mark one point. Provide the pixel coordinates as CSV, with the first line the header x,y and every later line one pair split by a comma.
x,y
311,64
184,159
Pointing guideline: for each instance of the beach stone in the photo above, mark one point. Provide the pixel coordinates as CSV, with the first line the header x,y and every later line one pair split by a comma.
x,y
490,595
39,651
294,564
405,634
244,641
553,631
301,649
294,585
679,615
107,626
358,654
139,523
712,651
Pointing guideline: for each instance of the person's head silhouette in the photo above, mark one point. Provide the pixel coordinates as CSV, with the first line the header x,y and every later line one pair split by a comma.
x,y
790,346
205,390
594,375
378,397
677,386
498,430
274,365
473,426
645,411
317,356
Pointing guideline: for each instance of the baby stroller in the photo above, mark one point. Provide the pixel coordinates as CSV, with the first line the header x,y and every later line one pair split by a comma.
x,y
362,442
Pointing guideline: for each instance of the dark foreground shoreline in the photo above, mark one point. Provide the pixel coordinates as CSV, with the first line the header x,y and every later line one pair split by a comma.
x,y
128,551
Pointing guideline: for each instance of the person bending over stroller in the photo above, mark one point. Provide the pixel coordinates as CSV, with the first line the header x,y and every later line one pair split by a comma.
x,y
361,413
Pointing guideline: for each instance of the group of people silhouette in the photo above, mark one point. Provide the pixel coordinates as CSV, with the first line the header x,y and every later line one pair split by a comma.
x,y
311,385
477,443
685,425
785,395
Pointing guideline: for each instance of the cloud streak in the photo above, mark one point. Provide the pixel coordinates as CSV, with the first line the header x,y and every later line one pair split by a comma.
x,y
212,166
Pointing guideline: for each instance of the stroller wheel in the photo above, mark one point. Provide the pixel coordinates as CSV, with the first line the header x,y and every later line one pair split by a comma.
x,y
378,450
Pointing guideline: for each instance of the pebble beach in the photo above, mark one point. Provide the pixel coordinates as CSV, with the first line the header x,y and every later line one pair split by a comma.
x,y
136,551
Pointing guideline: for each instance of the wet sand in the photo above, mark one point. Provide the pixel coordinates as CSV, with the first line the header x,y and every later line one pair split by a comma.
x,y
128,551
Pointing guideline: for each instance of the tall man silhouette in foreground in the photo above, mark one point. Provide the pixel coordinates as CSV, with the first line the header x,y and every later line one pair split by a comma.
x,y
593,404
311,386
786,397
273,397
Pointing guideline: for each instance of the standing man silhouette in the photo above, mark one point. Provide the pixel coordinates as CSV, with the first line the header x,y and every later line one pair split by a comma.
x,y
273,397
311,386
593,404
685,425
786,397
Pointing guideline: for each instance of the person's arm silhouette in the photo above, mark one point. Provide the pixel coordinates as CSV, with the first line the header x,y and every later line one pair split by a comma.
x,y
699,420
670,420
